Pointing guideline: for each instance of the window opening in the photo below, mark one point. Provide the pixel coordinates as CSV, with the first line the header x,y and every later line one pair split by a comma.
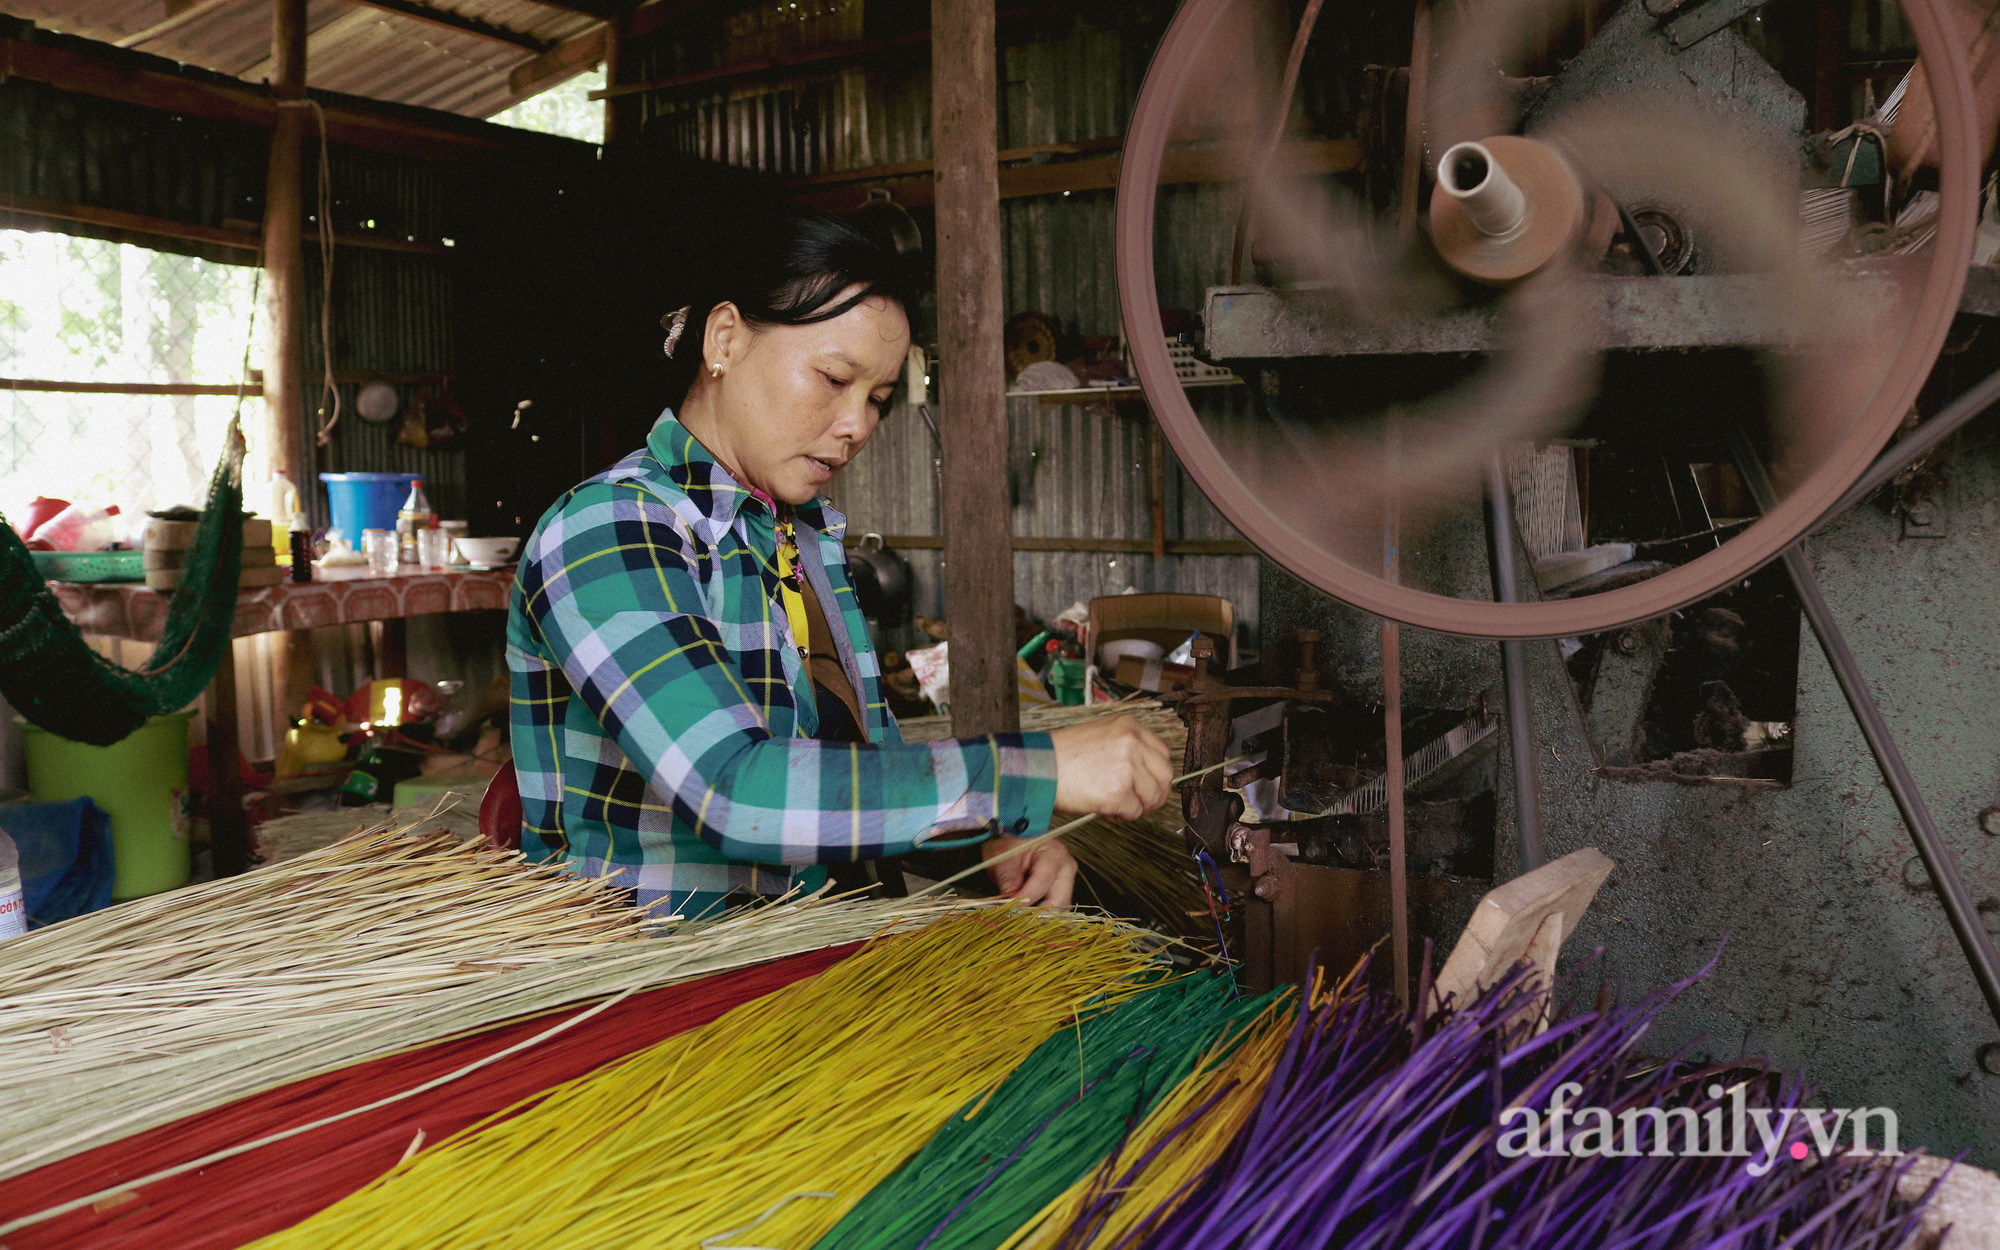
x,y
76,311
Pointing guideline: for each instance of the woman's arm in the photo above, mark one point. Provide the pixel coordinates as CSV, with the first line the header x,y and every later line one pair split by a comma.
x,y
612,592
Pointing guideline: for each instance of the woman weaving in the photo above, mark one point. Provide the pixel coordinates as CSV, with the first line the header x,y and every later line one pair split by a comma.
x,y
697,712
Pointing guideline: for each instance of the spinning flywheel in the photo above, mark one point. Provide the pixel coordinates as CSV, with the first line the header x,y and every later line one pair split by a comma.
x,y
1609,255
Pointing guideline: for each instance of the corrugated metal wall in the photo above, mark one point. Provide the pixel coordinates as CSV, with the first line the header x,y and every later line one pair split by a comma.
x,y
1077,472
84,150
393,312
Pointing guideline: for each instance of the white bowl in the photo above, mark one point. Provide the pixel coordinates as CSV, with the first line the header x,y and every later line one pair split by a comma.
x,y
487,550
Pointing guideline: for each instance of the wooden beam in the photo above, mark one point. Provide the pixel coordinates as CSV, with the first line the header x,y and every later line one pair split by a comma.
x,y
247,238
284,255
125,388
875,173
1101,546
605,9
362,377
61,210
559,64
478,144
781,63
458,22
1192,163
979,564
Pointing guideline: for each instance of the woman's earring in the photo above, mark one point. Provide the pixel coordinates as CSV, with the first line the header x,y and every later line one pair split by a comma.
x,y
714,370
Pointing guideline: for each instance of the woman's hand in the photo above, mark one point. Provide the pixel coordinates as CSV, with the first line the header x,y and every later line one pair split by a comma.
x,y
1111,766
1045,873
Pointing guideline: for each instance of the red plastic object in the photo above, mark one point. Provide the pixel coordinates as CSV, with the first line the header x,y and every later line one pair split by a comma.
x,y
40,511
326,707
500,811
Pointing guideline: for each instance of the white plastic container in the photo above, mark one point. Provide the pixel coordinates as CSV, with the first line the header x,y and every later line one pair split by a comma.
x,y
284,503
13,910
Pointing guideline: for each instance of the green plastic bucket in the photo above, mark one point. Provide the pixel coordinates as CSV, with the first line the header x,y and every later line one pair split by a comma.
x,y
142,782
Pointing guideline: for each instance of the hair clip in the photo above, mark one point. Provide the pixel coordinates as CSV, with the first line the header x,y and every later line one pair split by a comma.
x,y
673,323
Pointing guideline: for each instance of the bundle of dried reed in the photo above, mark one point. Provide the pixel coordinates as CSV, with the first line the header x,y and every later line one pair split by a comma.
x,y
1140,867
765,1126
1042,718
157,1009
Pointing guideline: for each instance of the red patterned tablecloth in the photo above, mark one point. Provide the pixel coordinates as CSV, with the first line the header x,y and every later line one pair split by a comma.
x,y
334,597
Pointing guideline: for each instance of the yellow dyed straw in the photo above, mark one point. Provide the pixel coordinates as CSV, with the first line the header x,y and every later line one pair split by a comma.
x,y
763,1127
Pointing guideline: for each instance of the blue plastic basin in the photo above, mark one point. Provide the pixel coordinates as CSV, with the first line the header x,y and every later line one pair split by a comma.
x,y
365,501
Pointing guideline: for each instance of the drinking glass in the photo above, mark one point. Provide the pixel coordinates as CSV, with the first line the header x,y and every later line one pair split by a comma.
x,y
434,548
380,548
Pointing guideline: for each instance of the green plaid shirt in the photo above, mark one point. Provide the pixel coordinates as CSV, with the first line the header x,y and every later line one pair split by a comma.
x,y
663,720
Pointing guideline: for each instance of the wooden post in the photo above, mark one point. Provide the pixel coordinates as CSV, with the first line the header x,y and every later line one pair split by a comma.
x,y
284,261
228,828
1156,484
1829,42
391,641
1413,129
1392,733
614,46
978,546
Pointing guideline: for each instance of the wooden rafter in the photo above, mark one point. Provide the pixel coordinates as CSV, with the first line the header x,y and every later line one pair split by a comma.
x,y
449,20
566,60
604,10
347,122
173,22
912,184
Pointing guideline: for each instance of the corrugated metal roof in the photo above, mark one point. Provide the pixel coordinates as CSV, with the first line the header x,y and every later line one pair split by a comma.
x,y
352,48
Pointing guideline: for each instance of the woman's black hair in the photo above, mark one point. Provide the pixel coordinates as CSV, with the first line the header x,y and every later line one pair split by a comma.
x,y
791,268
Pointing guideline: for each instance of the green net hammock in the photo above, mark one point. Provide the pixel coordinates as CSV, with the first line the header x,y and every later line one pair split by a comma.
x,y
56,681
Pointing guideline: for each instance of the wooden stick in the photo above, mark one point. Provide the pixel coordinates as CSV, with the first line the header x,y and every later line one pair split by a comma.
x,y
1392,730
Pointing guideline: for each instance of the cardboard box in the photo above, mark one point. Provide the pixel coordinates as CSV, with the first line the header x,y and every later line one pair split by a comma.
x,y
1166,620
1153,675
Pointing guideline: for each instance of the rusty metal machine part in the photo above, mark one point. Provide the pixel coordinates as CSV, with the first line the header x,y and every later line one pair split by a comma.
x,y
1205,805
1673,244
1181,61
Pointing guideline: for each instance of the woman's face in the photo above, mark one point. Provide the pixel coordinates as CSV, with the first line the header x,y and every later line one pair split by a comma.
x,y
795,403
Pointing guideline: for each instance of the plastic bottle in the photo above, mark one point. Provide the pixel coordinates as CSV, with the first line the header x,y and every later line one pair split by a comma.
x,y
300,542
415,515
284,502
13,910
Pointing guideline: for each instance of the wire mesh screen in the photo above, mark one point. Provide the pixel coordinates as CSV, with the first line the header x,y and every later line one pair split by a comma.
x,y
77,310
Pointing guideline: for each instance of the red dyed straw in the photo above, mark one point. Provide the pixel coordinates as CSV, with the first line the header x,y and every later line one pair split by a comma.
x,y
236,1200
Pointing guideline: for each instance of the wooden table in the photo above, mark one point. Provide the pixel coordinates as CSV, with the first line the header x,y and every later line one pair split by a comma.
x,y
335,597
